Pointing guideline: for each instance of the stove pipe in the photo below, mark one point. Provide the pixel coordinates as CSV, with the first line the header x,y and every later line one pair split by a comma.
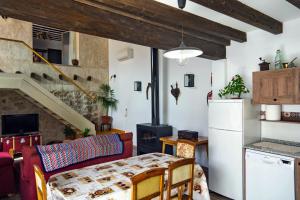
x,y
154,87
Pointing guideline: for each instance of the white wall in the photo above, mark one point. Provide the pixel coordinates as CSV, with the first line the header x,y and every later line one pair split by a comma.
x,y
137,69
243,58
191,111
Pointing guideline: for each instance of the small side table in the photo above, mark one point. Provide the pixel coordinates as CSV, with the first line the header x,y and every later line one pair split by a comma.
x,y
172,140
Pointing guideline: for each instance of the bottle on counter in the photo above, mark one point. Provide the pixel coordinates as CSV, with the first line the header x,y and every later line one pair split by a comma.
x,y
278,60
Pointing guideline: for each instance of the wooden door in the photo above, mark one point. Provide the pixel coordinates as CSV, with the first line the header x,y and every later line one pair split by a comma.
x,y
274,87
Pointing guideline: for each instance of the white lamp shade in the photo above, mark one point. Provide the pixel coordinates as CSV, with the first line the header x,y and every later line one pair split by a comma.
x,y
183,52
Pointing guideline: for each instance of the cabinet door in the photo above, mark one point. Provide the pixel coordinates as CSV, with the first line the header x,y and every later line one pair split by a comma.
x,y
297,85
274,87
263,87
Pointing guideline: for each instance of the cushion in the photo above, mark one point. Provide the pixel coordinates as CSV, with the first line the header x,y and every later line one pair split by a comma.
x,y
5,159
185,150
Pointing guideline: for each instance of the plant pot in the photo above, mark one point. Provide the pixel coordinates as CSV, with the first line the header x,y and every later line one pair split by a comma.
x,y
106,119
75,62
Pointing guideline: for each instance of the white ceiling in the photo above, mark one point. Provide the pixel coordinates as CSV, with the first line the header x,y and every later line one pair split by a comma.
x,y
278,9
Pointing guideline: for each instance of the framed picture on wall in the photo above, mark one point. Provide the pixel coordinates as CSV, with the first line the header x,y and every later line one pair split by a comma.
x,y
137,86
189,80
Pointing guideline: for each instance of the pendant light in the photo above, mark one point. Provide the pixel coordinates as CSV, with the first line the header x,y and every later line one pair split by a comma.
x,y
183,52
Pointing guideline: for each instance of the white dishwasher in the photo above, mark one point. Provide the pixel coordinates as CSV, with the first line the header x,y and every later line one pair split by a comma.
x,y
269,176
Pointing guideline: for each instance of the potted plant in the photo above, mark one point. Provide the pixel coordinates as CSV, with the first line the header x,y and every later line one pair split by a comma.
x,y
236,87
69,133
107,100
85,132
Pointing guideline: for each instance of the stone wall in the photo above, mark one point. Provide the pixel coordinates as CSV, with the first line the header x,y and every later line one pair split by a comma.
x,y
92,50
93,55
13,103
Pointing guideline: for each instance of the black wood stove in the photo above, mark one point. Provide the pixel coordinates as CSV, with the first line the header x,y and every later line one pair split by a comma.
x,y
148,134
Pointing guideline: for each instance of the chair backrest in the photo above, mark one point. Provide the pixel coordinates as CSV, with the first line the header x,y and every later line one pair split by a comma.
x,y
40,183
180,173
148,185
185,149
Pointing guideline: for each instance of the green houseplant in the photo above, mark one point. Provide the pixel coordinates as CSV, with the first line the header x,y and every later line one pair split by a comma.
x,y
85,132
108,101
236,87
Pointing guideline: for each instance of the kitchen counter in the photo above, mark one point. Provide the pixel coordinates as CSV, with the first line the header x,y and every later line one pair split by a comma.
x,y
280,147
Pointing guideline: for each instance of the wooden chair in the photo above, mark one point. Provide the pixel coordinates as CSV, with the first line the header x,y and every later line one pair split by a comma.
x,y
185,149
40,183
181,173
148,185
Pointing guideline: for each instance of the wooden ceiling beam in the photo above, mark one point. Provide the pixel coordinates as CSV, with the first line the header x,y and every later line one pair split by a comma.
x,y
125,9
242,12
75,16
165,15
295,3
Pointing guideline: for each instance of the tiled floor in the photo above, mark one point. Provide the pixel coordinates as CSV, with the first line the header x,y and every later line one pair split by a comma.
x,y
214,196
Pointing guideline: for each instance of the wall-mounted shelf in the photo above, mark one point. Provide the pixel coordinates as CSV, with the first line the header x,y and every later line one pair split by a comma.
x,y
281,121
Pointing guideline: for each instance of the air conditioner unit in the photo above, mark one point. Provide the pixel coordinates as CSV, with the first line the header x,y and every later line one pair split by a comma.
x,y
125,54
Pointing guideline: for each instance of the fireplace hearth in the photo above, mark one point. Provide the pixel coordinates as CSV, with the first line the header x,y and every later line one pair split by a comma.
x,y
148,138
148,134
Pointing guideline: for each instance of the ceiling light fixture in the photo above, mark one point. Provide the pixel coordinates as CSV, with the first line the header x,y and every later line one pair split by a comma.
x,y
183,52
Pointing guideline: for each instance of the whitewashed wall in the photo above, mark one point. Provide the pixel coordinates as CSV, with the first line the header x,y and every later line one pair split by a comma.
x,y
137,69
243,58
191,111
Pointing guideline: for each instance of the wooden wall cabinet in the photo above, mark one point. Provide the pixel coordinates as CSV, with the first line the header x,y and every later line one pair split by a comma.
x,y
277,87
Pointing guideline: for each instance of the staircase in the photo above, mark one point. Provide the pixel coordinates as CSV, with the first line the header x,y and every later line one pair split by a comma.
x,y
44,99
51,90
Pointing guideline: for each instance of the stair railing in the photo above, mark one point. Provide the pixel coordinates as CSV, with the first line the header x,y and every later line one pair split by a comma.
x,y
53,67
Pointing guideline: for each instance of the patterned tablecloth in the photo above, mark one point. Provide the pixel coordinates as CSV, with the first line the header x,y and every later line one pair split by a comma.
x,y
111,181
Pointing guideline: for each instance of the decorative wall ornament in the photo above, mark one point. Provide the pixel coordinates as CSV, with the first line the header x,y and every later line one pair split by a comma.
x,y
189,80
147,90
175,92
210,93
137,86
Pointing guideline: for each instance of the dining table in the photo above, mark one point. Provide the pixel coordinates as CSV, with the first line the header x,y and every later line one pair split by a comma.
x,y
111,180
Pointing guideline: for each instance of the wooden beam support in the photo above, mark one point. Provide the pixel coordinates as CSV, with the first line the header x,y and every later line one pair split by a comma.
x,y
75,77
75,16
168,17
35,76
47,77
242,12
295,3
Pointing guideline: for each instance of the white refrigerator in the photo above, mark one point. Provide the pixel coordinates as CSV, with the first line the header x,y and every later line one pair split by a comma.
x,y
231,124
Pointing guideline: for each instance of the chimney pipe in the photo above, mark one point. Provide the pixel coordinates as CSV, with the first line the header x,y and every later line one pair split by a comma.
x,y
154,87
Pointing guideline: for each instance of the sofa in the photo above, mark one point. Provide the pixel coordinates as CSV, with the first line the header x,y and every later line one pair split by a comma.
x,y
31,157
6,174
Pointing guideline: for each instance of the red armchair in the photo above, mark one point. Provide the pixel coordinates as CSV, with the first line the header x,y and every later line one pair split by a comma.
x,y
6,174
31,157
